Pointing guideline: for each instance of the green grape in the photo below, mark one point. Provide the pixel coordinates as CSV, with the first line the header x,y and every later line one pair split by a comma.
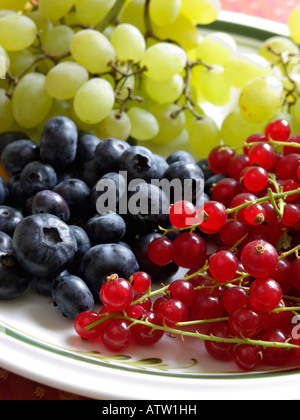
x,y
43,26
17,32
235,129
277,45
171,122
55,9
13,4
133,12
58,39
64,80
144,125
90,12
31,103
6,112
241,68
122,89
164,12
20,61
92,50
214,86
163,61
201,11
128,42
115,125
4,62
165,92
296,110
216,48
181,30
195,82
180,143
94,101
294,24
204,135
261,99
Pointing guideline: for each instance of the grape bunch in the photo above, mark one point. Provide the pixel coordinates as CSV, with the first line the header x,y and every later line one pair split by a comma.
x,y
141,70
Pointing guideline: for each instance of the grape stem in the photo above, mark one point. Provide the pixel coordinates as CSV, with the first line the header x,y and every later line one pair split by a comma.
x,y
111,16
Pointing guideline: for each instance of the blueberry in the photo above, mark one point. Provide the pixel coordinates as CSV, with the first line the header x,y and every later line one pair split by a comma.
x,y
37,176
76,193
212,181
72,296
59,141
44,245
106,196
4,192
48,201
148,208
86,147
91,174
18,154
9,219
203,164
186,171
43,285
14,281
5,243
108,154
9,137
83,245
180,155
139,162
104,260
105,229
16,194
157,273
162,166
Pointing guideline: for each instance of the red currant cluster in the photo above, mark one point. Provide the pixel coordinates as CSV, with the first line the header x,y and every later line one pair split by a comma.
x,y
247,291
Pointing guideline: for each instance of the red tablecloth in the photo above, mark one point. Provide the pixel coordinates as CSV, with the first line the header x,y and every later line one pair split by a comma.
x,y
14,387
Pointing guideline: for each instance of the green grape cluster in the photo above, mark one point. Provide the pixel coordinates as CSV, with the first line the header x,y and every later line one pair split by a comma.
x,y
142,69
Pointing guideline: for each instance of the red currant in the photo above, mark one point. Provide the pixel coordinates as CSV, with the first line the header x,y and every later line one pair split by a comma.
x,y
254,214
254,138
144,335
290,149
263,155
245,322
219,350
232,232
259,258
265,294
116,294
183,214
278,130
160,251
246,357
234,298
225,190
183,290
287,167
207,307
219,159
190,250
223,266
117,335
173,311
254,179
140,281
85,319
237,164
275,356
212,215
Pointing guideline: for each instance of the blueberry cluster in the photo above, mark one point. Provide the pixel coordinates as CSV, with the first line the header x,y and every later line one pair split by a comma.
x,y
52,237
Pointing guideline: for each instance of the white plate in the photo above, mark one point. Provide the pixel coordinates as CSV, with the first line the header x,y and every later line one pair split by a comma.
x,y
37,342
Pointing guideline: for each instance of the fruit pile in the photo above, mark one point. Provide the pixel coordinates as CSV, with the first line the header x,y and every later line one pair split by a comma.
x,y
119,91
245,291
